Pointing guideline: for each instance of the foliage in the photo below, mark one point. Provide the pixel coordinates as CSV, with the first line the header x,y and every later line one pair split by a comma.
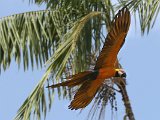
x,y
67,37
147,11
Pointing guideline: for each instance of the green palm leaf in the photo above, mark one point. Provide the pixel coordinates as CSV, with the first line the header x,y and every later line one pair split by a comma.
x,y
147,11
23,30
32,35
56,64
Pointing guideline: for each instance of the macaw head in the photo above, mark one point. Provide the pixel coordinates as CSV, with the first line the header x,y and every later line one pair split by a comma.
x,y
120,73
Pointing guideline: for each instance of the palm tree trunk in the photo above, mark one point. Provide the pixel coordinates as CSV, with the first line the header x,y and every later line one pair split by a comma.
x,y
122,86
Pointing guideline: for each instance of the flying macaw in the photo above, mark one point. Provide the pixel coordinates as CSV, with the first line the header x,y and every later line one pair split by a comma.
x,y
106,64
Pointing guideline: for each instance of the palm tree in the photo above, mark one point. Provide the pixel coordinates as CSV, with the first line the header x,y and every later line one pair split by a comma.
x,y
66,38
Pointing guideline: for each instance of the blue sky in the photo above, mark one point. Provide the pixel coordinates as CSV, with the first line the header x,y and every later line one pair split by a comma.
x,y
139,57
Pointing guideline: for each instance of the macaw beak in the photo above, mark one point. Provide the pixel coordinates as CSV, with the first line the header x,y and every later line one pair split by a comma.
x,y
124,75
120,73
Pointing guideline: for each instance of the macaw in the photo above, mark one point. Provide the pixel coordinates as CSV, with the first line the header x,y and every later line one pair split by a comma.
x,y
106,64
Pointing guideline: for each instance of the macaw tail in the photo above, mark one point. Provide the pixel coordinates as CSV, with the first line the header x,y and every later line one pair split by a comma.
x,y
76,79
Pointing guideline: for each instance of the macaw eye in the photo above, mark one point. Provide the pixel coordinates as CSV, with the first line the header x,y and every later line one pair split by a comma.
x,y
117,74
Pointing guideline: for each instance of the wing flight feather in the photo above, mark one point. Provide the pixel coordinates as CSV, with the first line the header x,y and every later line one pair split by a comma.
x,y
114,40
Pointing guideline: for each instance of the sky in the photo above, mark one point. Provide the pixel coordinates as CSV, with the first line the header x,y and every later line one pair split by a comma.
x,y
139,57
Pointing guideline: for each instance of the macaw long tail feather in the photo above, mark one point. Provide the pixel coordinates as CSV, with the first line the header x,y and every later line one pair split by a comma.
x,y
75,79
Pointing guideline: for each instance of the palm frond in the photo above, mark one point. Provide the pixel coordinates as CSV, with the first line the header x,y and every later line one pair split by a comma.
x,y
32,36
147,11
53,4
35,104
22,31
68,43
